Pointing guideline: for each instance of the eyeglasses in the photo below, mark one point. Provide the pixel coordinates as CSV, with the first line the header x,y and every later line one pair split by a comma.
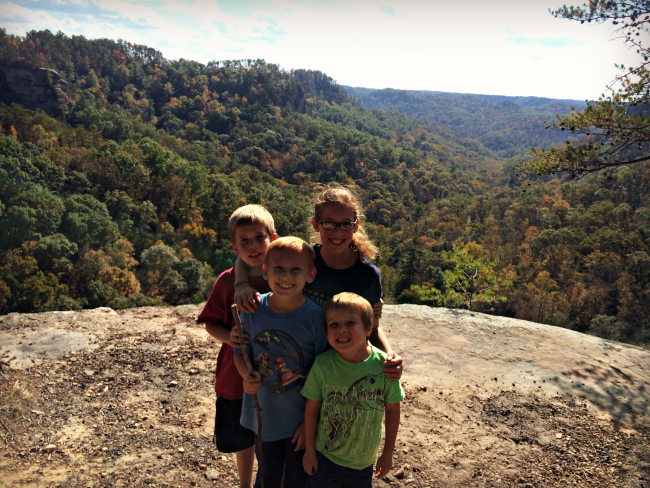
x,y
345,226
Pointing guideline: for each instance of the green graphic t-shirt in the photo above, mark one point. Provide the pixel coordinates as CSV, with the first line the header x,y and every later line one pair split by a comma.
x,y
353,396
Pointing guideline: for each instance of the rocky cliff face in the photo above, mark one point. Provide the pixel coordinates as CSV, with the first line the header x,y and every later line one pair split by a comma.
x,y
126,398
34,88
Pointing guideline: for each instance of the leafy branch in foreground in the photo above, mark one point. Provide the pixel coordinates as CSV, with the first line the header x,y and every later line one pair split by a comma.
x,y
616,127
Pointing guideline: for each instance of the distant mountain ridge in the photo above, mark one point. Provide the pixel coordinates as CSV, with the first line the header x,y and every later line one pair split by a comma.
x,y
531,101
506,125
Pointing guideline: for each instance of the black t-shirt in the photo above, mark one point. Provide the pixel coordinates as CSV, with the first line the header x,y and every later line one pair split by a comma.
x,y
362,278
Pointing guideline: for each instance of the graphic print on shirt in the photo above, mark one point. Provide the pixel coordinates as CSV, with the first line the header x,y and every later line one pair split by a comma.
x,y
343,406
319,299
281,361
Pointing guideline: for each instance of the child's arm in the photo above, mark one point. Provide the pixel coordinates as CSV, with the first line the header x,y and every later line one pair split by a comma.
x,y
312,414
218,331
246,297
393,364
299,437
385,461
222,333
377,308
253,381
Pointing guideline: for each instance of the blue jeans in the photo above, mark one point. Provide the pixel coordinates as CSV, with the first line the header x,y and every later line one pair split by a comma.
x,y
331,475
280,457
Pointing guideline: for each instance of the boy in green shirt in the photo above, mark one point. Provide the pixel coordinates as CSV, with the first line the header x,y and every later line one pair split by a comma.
x,y
347,394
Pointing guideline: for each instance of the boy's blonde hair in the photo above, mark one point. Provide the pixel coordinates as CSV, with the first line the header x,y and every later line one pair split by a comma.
x,y
361,243
350,301
251,214
294,244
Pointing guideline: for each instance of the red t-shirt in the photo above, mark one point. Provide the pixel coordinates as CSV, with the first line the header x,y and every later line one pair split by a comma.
x,y
228,382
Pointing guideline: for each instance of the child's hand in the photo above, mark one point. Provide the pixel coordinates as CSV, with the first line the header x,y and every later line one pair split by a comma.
x,y
377,308
233,340
246,297
299,437
310,462
252,382
393,366
384,464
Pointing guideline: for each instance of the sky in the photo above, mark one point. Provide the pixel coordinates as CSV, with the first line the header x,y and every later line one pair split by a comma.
x,y
499,47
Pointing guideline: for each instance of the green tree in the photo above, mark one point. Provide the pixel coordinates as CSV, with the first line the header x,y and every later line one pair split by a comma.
x,y
54,253
30,289
87,221
617,125
470,282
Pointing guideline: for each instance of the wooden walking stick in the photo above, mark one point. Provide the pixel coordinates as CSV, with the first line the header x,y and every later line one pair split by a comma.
x,y
258,410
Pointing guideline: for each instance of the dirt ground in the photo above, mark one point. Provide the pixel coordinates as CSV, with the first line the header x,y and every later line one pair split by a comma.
x,y
103,398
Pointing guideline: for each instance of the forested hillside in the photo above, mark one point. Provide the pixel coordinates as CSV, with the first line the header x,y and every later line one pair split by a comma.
x,y
122,198
506,125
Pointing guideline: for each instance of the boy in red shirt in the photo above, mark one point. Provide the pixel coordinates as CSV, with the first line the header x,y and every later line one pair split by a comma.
x,y
251,232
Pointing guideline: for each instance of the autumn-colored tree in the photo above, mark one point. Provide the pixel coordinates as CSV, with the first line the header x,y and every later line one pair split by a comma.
x,y
121,280
5,295
541,301
29,288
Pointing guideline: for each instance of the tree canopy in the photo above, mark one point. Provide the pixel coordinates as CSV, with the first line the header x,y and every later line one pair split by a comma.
x,y
616,127
123,199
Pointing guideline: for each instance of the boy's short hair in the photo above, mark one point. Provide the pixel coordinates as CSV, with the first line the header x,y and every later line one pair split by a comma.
x,y
250,214
347,301
294,244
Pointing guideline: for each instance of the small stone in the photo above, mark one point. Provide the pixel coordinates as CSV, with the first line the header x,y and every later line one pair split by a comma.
x,y
399,474
409,481
558,436
173,384
194,371
224,458
38,412
50,448
180,449
212,474
89,372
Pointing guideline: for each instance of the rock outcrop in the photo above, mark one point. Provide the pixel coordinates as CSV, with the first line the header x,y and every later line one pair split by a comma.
x,y
34,88
126,398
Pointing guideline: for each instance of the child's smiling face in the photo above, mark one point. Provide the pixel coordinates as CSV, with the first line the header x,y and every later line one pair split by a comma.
x,y
337,240
251,243
287,272
346,334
